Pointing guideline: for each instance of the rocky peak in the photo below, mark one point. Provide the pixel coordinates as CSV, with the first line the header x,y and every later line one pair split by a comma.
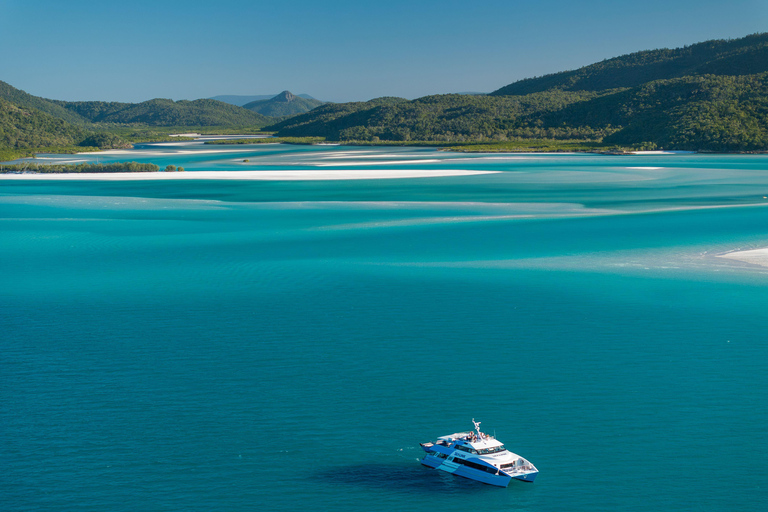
x,y
286,96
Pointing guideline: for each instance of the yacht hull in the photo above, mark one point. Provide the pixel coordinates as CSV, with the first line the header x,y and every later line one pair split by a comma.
x,y
500,480
528,477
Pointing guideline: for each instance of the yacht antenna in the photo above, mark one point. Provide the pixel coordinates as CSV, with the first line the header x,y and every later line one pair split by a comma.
x,y
477,428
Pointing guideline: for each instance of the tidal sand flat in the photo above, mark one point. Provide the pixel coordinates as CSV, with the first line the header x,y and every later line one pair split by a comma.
x,y
249,175
753,256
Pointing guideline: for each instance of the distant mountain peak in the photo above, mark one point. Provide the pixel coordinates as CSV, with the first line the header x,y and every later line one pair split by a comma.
x,y
284,104
286,96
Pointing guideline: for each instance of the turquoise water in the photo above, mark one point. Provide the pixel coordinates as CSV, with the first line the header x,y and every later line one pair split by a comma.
x,y
285,345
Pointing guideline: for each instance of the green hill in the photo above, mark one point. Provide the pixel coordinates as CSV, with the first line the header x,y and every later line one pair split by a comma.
x,y
25,100
447,117
283,105
329,118
25,128
29,123
93,111
745,56
709,96
166,112
157,112
718,113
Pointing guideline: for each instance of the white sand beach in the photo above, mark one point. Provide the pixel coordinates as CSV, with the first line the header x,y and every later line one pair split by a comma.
x,y
133,153
387,162
753,256
302,175
663,152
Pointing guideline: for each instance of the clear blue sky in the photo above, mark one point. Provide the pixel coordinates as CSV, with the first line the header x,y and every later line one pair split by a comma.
x,y
334,50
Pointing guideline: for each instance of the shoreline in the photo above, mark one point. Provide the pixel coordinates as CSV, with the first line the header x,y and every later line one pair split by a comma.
x,y
752,256
179,146
296,175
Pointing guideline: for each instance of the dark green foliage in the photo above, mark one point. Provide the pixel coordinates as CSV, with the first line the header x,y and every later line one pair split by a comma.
x,y
745,56
449,117
12,154
283,105
22,128
105,140
29,124
538,146
270,140
94,111
313,123
27,101
78,168
157,112
6,155
717,113
165,112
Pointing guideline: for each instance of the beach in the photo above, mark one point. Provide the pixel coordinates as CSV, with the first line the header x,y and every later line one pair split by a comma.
x,y
294,175
753,256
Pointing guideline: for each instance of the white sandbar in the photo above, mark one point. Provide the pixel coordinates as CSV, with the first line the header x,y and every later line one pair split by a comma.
x,y
387,162
663,152
377,174
753,256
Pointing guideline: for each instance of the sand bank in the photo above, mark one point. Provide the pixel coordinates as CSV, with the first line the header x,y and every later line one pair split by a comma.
x,y
387,162
753,256
368,154
662,152
377,174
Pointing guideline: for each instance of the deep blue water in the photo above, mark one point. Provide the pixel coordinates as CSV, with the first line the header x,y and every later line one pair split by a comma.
x,y
241,345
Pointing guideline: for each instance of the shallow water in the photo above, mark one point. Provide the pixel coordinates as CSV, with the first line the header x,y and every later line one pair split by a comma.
x,y
199,345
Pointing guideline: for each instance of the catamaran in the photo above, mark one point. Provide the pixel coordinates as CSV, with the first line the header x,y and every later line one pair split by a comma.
x,y
478,456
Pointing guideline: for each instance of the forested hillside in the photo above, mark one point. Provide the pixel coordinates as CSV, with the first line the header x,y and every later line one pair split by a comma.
x,y
22,128
745,56
29,123
166,112
24,100
711,96
156,112
448,117
92,111
718,113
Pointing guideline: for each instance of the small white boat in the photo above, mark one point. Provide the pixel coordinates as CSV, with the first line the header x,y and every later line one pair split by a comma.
x,y
477,456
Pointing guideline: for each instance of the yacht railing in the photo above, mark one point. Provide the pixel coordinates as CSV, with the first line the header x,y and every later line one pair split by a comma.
x,y
525,468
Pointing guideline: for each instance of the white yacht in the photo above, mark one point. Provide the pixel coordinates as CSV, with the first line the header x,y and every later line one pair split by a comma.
x,y
477,456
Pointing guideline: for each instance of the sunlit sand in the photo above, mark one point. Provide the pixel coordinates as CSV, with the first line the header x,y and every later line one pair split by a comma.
x,y
753,256
377,174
